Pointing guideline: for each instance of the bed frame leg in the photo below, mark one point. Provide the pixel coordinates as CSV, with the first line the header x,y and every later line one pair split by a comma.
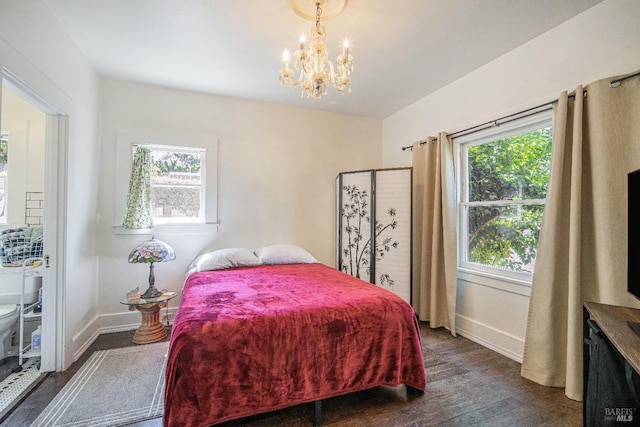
x,y
317,415
413,392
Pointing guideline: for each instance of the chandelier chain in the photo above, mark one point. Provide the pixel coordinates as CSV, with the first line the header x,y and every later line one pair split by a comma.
x,y
318,13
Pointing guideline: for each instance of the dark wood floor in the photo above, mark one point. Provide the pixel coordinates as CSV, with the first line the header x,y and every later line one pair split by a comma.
x,y
467,385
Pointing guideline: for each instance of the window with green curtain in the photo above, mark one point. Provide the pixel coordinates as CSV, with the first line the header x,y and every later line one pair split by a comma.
x,y
138,211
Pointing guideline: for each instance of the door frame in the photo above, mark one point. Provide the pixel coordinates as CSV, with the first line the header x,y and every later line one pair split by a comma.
x,y
53,301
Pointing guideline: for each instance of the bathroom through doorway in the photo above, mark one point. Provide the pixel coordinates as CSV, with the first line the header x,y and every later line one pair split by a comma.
x,y
29,133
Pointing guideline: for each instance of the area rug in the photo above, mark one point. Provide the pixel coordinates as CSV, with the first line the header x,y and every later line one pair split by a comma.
x,y
113,388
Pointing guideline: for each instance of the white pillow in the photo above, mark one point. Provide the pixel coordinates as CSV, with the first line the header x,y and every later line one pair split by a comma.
x,y
284,254
224,258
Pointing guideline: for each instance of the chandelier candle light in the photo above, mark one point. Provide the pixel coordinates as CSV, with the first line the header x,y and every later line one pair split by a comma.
x,y
311,61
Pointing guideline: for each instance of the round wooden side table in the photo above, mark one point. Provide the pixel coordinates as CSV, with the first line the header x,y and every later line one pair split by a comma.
x,y
150,330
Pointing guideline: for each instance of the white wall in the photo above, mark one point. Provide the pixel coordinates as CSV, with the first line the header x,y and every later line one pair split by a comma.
x,y
26,127
601,42
35,47
276,179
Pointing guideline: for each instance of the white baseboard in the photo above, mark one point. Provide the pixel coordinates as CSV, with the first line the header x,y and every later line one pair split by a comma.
x,y
108,324
494,339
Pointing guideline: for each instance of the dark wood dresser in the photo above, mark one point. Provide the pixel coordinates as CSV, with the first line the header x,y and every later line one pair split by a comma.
x,y
611,357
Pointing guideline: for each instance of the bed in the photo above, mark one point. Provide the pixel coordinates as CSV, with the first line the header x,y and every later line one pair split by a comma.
x,y
254,338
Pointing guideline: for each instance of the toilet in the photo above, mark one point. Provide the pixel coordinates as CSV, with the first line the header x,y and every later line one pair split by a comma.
x,y
8,317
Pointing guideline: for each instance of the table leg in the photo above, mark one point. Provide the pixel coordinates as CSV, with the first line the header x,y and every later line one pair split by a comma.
x,y
151,330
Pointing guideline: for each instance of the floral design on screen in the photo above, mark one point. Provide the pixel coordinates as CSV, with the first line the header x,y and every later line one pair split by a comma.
x,y
356,251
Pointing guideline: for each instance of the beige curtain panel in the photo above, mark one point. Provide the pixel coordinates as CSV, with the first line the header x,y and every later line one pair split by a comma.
x,y
582,249
434,232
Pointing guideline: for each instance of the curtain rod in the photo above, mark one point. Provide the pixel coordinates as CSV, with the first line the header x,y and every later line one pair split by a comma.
x,y
506,119
522,114
496,122
617,82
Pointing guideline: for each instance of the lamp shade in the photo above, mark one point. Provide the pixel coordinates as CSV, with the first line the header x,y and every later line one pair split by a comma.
x,y
152,251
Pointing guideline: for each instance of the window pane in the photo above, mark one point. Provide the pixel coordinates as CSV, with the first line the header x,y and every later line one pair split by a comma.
x,y
175,202
170,167
504,237
514,168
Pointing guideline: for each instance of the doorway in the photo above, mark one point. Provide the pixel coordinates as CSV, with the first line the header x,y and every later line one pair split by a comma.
x,y
41,174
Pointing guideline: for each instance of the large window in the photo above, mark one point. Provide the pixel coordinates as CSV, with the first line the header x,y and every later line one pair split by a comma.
x,y
504,178
177,184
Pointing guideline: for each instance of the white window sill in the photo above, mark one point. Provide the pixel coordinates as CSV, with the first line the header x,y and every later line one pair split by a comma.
x,y
208,228
516,286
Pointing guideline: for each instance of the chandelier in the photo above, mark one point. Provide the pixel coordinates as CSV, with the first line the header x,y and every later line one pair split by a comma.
x,y
315,70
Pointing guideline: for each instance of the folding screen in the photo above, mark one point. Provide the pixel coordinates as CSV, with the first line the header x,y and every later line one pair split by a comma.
x,y
374,227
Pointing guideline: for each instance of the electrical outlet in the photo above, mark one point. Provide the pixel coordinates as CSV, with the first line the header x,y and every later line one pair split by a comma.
x,y
166,318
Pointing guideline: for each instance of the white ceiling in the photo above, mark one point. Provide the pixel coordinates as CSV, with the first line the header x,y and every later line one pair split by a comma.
x,y
403,50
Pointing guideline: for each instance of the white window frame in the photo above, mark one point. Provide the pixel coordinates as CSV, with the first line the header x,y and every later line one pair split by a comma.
x,y
492,276
126,139
202,186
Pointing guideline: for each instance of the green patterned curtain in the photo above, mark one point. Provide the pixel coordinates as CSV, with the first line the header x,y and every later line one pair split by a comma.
x,y
138,213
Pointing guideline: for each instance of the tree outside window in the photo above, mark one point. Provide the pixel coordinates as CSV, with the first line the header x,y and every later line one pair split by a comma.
x,y
506,183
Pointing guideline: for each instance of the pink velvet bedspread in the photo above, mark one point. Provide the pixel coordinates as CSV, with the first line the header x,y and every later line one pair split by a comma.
x,y
257,339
